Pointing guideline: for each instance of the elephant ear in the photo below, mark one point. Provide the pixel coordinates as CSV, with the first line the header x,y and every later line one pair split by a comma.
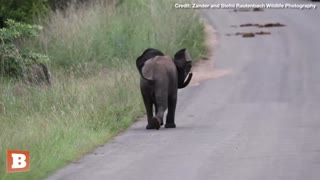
x,y
183,62
146,55
182,55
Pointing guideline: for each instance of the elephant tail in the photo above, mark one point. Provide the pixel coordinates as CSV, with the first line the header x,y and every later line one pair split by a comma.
x,y
186,82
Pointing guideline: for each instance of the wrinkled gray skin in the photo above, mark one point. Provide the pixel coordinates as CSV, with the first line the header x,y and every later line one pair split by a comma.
x,y
161,77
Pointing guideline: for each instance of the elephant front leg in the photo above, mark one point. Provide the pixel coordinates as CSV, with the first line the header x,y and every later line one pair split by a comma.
x,y
172,102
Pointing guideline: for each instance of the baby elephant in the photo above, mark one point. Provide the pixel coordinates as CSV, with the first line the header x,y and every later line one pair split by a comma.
x,y
161,77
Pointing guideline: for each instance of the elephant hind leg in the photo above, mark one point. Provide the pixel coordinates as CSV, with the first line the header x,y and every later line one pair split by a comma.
x,y
148,102
156,108
154,123
161,104
172,102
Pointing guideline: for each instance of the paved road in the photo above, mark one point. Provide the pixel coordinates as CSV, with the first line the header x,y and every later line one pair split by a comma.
x,y
260,122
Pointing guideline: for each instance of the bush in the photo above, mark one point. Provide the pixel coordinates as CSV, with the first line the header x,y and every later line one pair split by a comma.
x,y
65,4
22,10
13,59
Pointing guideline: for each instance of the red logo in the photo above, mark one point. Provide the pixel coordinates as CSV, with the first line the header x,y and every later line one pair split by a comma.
x,y
18,161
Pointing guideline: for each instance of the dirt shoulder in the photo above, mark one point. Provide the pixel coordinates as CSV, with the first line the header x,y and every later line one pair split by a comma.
x,y
204,69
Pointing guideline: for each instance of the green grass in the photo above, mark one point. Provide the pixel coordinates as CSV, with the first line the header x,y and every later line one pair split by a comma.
x,y
59,124
95,93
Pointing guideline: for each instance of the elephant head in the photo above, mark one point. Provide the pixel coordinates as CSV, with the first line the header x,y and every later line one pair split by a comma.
x,y
183,62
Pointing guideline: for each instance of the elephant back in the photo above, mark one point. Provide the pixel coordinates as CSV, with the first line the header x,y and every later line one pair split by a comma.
x,y
160,68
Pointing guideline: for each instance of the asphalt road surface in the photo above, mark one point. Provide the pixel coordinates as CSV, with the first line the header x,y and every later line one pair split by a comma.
x,y
259,122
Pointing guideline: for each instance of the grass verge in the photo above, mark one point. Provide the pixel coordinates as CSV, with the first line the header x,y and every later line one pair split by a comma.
x,y
95,92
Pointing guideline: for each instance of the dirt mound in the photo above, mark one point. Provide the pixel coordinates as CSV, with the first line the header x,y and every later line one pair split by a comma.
x,y
247,10
263,33
268,25
271,25
245,34
249,34
248,25
241,10
257,9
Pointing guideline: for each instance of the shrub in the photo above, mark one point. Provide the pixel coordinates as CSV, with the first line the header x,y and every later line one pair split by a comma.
x,y
22,10
14,59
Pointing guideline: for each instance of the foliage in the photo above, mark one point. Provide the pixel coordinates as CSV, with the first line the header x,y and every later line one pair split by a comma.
x,y
14,59
22,10
17,30
64,4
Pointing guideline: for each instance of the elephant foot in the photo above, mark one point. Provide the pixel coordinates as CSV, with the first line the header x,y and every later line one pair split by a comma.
x,y
154,123
161,123
170,125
